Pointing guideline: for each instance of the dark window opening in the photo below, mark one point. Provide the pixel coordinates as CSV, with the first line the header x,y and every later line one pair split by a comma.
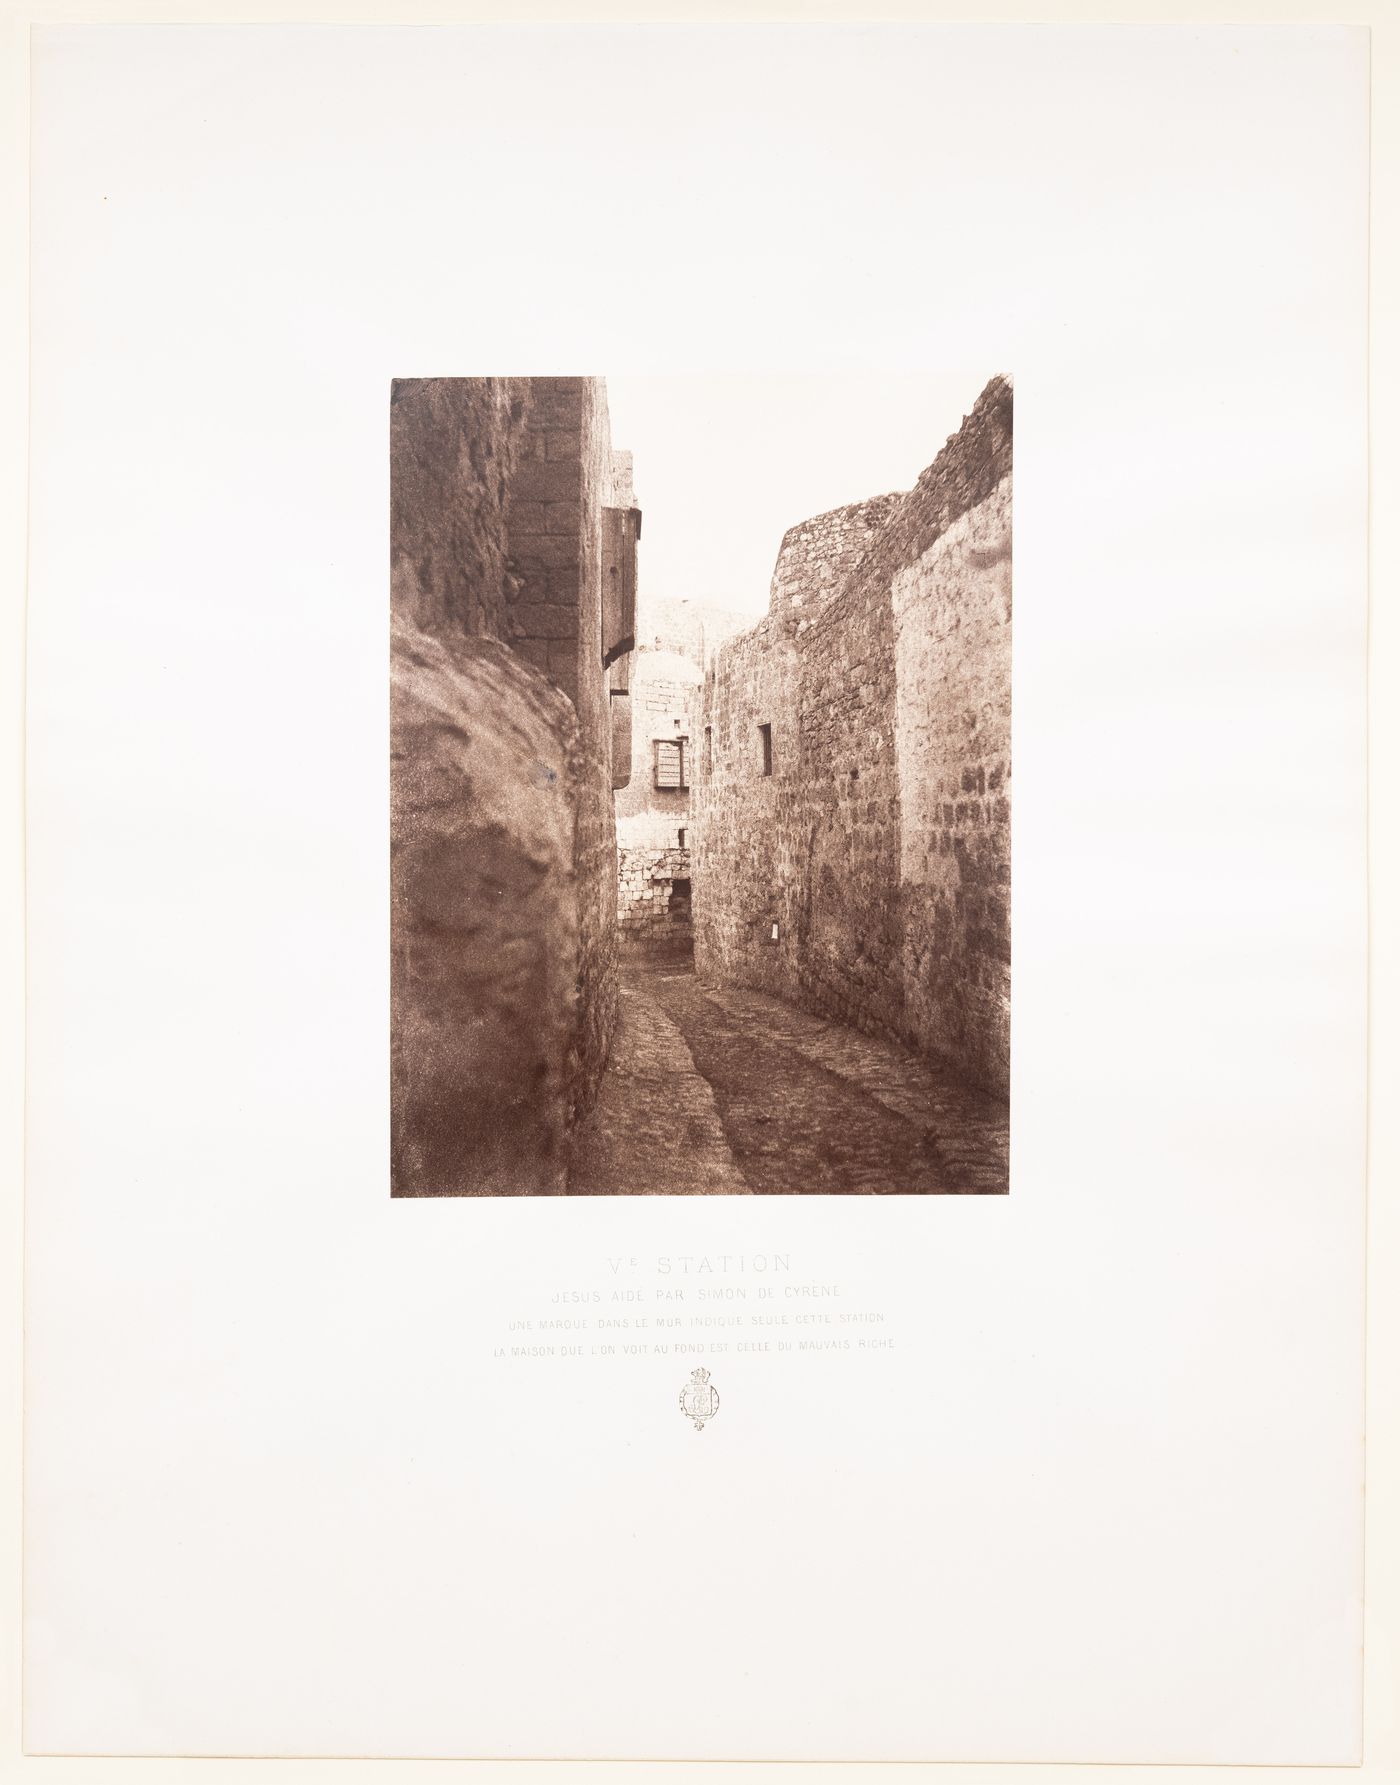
x,y
680,838
765,733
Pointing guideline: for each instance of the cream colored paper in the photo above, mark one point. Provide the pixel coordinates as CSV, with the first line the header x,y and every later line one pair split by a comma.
x,y
1102,1499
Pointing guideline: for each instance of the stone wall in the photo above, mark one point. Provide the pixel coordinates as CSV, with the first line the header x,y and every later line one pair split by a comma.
x,y
510,517
878,847
665,709
454,446
674,639
653,858
604,483
483,918
653,910
817,556
749,836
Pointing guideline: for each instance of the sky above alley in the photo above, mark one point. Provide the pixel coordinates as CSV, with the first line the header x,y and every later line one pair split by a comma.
x,y
726,464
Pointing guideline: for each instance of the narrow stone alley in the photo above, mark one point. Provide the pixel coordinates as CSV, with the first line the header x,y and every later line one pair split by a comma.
x,y
694,896
718,1089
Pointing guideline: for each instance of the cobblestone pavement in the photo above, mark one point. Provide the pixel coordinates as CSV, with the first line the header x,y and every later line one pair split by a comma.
x,y
655,1129
714,1089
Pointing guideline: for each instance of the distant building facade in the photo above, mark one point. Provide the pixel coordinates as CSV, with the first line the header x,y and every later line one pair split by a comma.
x,y
673,640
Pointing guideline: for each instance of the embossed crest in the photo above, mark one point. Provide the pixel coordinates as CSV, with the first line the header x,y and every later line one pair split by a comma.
x,y
699,1399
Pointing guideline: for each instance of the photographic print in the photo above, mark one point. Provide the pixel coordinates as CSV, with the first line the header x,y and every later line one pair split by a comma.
x,y
693,895
450,1171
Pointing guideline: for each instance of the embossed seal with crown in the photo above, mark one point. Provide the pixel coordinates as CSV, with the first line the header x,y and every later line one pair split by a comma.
x,y
699,1398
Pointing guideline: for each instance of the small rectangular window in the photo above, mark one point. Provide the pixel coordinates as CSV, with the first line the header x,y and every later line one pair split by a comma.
x,y
765,733
670,762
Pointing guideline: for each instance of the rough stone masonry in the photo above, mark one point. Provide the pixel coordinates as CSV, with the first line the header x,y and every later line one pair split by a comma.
x,y
674,640
513,581
851,818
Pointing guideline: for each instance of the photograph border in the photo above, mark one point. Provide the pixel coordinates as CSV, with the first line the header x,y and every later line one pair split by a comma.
x,y
1382,1745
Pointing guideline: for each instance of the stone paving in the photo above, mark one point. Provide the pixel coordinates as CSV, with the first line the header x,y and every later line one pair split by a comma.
x,y
655,1129
714,1090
